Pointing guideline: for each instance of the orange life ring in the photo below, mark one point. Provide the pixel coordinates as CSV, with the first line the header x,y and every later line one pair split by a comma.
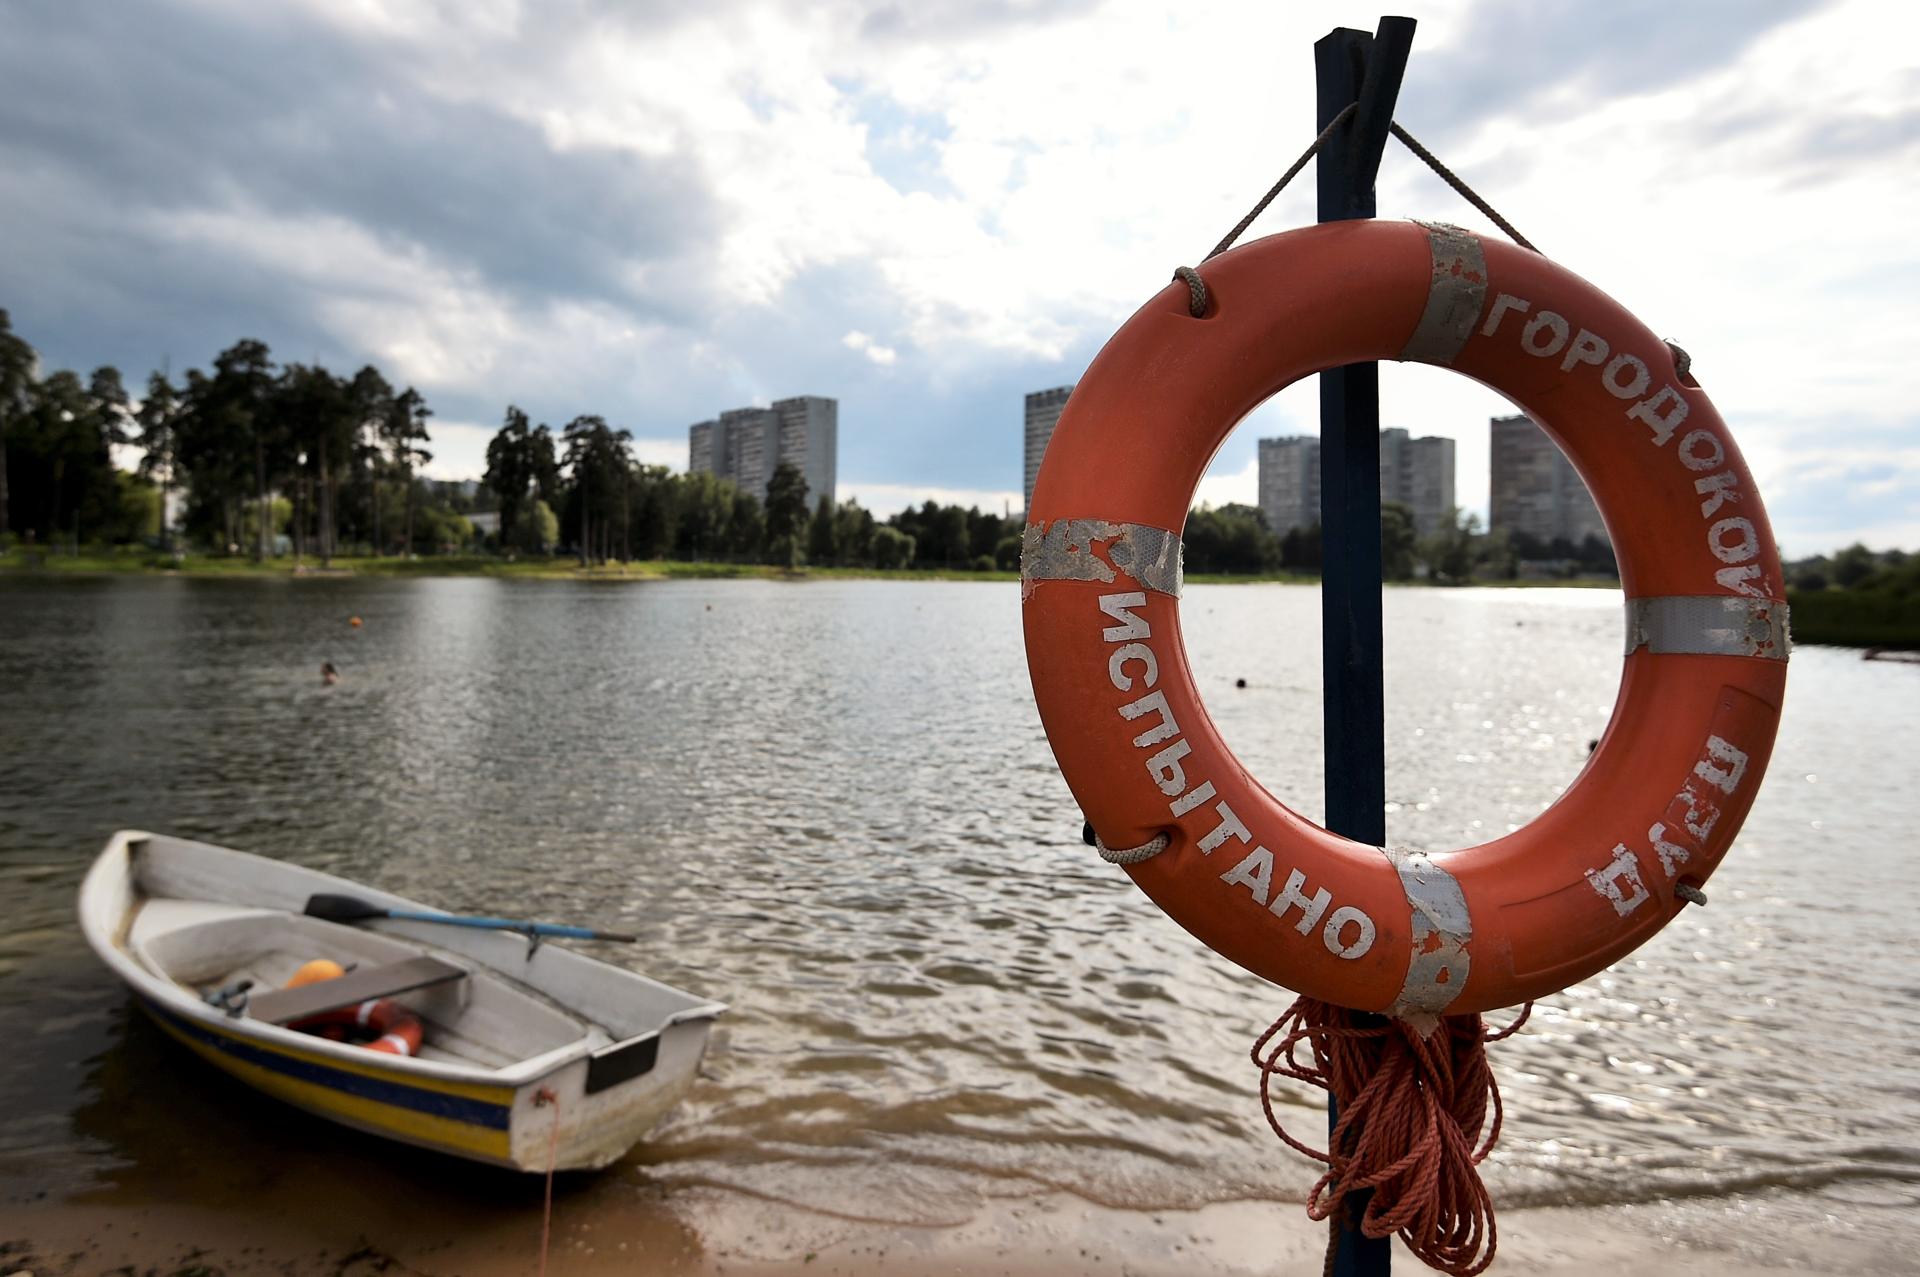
x,y
1411,933
394,1030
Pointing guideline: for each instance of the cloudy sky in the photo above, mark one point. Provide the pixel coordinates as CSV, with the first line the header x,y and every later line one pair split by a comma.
x,y
654,210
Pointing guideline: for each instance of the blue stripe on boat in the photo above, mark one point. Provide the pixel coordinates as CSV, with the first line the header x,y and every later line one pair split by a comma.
x,y
436,1103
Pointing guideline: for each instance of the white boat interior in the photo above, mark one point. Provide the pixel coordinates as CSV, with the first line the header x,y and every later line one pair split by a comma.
x,y
531,1056
204,918
481,1019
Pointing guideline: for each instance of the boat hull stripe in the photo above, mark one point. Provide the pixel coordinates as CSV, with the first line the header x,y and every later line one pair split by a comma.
x,y
420,1099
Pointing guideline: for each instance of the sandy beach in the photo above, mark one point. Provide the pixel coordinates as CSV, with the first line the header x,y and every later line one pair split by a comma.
x,y
1055,1234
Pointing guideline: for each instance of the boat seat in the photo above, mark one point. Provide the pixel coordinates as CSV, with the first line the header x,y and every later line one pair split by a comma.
x,y
282,1006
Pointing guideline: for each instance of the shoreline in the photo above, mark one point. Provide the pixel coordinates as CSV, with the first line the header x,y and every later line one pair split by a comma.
x,y
700,1232
1826,618
439,566
147,563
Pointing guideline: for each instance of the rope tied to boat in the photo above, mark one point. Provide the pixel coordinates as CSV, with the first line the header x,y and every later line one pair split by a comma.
x,y
543,1097
1411,1110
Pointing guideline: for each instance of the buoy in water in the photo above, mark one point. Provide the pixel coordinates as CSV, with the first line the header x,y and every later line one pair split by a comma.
x,y
354,621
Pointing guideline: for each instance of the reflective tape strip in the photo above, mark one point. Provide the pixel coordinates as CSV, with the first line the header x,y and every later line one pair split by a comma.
x,y
1454,298
1438,964
1064,551
1709,625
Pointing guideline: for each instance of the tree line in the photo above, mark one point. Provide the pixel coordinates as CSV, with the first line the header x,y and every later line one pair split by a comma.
x,y
256,452
581,491
297,458
264,459
1856,597
1235,539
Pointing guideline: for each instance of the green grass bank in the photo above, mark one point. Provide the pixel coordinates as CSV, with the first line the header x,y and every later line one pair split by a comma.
x,y
147,562
110,561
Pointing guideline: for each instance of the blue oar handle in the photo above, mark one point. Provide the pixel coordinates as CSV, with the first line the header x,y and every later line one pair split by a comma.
x,y
505,924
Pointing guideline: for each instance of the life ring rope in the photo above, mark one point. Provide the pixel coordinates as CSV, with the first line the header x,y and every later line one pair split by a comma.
x,y
1132,855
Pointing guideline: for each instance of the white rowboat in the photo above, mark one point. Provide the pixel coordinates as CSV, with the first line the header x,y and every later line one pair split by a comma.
x,y
533,1056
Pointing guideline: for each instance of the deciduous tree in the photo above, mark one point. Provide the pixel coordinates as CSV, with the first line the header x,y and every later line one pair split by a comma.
x,y
892,548
159,420
1397,541
17,368
746,527
786,506
371,398
405,429
599,457
821,529
853,528
1448,551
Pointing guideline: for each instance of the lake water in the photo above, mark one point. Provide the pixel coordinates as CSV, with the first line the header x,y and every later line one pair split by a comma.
x,y
830,805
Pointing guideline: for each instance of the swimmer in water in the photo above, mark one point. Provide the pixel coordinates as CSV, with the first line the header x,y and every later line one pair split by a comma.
x,y
328,674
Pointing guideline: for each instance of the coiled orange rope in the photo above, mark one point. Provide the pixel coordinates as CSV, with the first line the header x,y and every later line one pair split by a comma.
x,y
1411,1109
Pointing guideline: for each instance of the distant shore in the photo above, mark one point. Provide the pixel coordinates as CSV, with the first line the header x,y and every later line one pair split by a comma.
x,y
150,563
1855,618
1838,618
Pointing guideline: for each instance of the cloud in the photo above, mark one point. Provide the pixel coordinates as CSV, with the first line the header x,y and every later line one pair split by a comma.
x,y
297,120
885,499
656,211
882,355
1230,487
1518,57
944,20
671,453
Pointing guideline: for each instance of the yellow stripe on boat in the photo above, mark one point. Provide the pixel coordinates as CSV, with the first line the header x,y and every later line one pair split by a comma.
x,y
446,1086
489,1139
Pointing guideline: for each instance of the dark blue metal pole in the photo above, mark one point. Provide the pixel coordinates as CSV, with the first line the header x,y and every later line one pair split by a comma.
x,y
1354,67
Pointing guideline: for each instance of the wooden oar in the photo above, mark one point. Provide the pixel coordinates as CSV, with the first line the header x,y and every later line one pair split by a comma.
x,y
336,908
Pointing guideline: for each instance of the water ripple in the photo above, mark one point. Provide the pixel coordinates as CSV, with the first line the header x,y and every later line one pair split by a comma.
x,y
833,807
